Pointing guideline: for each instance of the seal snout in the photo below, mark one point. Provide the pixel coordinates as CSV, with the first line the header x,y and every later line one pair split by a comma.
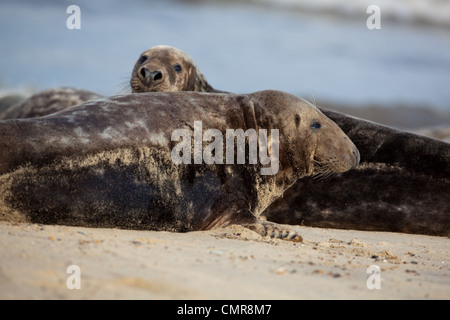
x,y
150,76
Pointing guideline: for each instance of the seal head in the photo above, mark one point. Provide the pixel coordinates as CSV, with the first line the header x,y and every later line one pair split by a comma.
x,y
165,68
312,144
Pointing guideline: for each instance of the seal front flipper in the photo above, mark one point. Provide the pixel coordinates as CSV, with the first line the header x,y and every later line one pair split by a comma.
x,y
247,219
274,230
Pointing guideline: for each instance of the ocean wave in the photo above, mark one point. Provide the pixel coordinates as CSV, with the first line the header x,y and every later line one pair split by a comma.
x,y
431,12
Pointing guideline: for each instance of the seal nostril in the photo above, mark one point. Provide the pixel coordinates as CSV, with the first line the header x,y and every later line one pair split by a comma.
x,y
145,73
156,75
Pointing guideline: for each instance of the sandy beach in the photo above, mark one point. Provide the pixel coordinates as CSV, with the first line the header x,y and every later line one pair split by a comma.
x,y
396,75
230,263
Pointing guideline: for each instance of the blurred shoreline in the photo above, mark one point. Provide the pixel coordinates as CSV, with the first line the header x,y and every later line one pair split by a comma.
x,y
321,48
432,13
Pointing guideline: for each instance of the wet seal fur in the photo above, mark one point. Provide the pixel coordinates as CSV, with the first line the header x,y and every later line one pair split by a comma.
x,y
102,165
48,102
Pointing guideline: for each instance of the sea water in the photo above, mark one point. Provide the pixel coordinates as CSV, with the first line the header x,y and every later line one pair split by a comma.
x,y
317,49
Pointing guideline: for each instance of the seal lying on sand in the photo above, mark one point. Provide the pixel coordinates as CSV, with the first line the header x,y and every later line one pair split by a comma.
x,y
47,102
102,165
401,184
387,192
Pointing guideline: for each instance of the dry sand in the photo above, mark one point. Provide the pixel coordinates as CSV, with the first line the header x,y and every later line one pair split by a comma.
x,y
231,263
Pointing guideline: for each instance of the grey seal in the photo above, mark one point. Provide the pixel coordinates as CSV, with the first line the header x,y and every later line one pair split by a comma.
x,y
102,165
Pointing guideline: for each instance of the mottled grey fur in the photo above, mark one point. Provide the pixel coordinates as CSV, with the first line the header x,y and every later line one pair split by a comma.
x,y
107,163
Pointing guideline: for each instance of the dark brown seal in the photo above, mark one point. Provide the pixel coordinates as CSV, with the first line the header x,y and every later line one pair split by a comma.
x,y
402,184
102,165
165,68
47,102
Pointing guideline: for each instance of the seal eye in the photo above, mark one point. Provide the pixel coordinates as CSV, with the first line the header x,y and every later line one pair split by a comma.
x,y
315,125
142,59
177,68
297,120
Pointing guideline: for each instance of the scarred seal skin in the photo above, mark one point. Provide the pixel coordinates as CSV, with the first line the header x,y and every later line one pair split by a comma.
x,y
102,165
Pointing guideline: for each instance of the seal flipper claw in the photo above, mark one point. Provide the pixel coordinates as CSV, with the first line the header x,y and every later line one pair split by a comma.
x,y
273,230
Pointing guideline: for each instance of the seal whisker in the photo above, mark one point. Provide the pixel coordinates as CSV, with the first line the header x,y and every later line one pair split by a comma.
x,y
323,169
314,99
320,163
320,176
329,174
324,172
124,87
